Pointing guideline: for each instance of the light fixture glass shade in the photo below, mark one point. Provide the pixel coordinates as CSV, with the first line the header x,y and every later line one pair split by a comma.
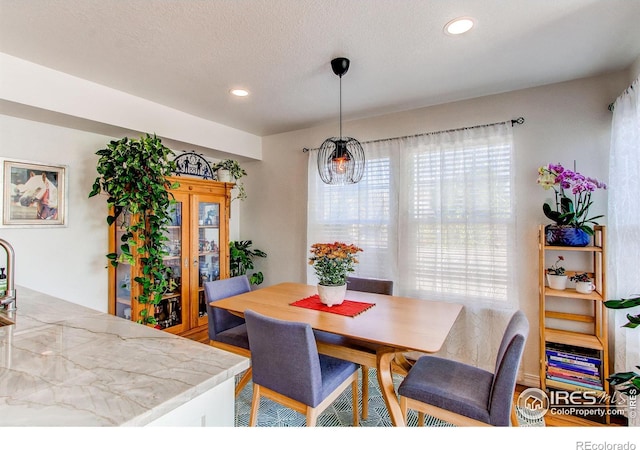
x,y
341,161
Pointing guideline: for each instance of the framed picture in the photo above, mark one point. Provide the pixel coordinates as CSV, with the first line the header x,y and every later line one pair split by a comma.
x,y
33,194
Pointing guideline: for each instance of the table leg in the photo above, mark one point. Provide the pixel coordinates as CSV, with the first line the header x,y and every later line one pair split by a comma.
x,y
384,357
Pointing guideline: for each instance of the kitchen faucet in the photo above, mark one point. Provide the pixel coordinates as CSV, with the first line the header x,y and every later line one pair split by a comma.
x,y
8,300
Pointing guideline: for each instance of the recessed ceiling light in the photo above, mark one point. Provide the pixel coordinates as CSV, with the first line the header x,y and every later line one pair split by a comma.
x,y
239,92
459,25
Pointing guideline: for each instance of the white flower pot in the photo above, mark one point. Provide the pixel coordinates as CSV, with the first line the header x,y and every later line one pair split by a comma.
x,y
557,282
332,295
224,176
585,287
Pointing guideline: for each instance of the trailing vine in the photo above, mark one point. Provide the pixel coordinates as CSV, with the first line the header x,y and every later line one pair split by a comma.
x,y
133,175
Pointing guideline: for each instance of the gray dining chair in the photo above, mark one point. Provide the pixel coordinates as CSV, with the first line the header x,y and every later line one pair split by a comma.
x,y
288,369
228,331
374,286
465,395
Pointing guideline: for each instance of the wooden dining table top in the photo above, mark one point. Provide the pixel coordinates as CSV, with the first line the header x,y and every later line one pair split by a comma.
x,y
399,322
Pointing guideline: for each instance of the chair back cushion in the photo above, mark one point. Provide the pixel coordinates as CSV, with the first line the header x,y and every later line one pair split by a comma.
x,y
284,357
219,319
506,370
372,285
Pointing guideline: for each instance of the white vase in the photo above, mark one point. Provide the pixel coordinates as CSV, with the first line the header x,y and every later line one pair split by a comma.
x,y
557,282
332,295
225,176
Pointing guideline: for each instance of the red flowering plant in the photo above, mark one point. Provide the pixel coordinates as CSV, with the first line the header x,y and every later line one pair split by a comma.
x,y
333,262
556,269
572,212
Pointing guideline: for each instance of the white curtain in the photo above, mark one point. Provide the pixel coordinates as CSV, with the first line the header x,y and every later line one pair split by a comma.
x,y
623,234
434,213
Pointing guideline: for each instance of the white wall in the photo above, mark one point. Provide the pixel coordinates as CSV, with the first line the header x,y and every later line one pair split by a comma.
x,y
564,122
66,262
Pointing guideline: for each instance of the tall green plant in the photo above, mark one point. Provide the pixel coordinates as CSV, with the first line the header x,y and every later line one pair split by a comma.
x,y
628,381
133,175
241,260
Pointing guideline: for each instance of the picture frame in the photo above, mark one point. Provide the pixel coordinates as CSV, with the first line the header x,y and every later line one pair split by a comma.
x,y
34,194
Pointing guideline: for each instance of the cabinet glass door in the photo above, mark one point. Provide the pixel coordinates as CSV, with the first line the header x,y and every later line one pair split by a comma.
x,y
123,271
170,313
208,247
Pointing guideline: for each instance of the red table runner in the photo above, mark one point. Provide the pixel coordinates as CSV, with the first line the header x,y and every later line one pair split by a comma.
x,y
347,308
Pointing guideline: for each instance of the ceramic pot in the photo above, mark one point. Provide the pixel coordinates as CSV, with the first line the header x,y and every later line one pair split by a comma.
x,y
332,295
566,235
224,176
557,282
585,287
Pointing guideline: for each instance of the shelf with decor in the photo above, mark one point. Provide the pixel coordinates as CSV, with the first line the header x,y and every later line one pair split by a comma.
x,y
197,243
574,344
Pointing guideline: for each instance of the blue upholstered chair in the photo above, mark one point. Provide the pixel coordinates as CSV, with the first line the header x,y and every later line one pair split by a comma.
x,y
288,369
374,286
466,395
228,331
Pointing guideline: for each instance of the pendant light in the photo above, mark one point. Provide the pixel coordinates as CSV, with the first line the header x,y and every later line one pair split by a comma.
x,y
340,160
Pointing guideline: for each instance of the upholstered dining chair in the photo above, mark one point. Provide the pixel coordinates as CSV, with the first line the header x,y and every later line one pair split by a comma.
x,y
228,331
466,395
288,369
373,285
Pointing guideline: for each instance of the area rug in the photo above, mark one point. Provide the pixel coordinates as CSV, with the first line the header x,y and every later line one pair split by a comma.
x,y
272,414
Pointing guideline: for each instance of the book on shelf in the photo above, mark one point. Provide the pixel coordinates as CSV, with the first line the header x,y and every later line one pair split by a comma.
x,y
566,386
573,350
585,386
590,369
573,355
561,373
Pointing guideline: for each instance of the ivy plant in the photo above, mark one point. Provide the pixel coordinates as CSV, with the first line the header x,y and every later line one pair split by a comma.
x,y
133,174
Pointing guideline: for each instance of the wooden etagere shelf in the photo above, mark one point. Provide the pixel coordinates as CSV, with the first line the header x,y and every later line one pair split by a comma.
x,y
586,351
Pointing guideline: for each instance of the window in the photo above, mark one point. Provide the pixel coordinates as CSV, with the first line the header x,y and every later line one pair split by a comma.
x,y
433,212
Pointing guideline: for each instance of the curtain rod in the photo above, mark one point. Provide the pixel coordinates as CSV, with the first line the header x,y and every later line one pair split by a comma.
x,y
612,105
514,122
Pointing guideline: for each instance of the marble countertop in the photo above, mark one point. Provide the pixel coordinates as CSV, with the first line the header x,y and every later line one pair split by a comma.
x,y
63,364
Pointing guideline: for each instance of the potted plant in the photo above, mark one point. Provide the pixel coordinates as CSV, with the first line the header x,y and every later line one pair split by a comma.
x,y
132,172
584,284
229,171
241,260
332,264
627,382
556,276
571,217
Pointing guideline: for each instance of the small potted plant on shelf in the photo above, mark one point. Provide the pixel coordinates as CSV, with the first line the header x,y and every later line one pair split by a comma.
x,y
584,284
229,171
556,276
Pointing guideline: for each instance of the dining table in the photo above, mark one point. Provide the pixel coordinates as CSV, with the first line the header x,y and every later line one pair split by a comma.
x,y
387,327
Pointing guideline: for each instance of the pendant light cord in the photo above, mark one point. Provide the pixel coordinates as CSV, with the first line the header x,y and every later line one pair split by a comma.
x,y
340,107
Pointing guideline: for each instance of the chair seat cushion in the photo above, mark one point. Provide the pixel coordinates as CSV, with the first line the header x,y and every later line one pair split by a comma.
x,y
334,371
450,385
235,336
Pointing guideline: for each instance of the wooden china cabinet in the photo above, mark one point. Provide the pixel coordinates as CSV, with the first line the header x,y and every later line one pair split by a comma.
x,y
198,246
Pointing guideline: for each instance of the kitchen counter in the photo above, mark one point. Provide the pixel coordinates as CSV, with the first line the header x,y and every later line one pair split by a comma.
x,y
63,364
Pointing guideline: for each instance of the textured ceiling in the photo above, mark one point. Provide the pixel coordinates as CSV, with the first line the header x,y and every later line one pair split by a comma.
x,y
187,54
